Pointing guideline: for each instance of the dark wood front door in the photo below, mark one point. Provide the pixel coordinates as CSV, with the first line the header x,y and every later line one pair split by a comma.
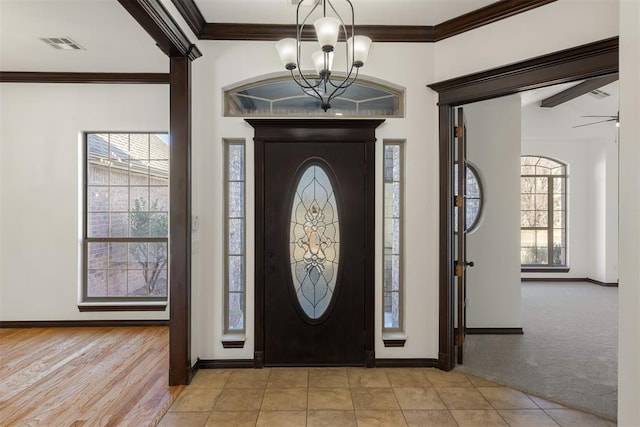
x,y
315,249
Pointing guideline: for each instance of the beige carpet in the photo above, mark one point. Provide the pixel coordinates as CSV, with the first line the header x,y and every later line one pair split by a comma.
x,y
568,352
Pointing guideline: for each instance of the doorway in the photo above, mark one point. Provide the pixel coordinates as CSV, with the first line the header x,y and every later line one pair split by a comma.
x,y
314,242
583,62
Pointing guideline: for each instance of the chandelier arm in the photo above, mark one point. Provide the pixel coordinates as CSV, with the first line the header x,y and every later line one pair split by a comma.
x,y
302,81
339,90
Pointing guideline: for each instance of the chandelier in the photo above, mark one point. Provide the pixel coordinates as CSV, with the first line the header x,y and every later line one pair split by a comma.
x,y
323,85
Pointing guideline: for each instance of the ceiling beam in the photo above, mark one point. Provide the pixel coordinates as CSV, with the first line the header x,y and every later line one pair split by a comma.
x,y
100,78
162,28
578,90
378,33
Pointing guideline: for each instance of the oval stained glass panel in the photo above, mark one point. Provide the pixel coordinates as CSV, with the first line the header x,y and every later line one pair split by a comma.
x,y
314,241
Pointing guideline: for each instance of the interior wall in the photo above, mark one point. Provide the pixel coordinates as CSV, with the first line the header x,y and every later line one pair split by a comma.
x,y
41,188
545,29
493,283
629,290
227,63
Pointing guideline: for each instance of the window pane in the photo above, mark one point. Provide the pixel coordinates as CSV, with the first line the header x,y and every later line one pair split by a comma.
x,y
98,199
236,237
236,199
117,283
236,274
235,304
236,162
118,225
97,283
97,255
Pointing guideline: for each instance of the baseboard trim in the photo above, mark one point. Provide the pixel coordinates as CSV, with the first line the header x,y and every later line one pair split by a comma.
x,y
79,323
224,364
569,279
406,363
495,331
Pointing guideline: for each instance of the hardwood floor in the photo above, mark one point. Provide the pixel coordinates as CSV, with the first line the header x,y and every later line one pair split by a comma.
x,y
85,376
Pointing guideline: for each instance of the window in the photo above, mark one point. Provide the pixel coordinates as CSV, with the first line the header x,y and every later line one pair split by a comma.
x,y
543,212
473,198
393,218
234,158
126,218
280,96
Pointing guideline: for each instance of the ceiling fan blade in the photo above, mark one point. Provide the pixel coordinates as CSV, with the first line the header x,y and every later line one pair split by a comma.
x,y
595,123
613,117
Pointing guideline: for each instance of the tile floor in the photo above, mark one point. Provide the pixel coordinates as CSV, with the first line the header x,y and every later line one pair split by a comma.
x,y
361,397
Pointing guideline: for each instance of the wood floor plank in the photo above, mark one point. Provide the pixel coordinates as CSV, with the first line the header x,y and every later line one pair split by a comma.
x,y
85,376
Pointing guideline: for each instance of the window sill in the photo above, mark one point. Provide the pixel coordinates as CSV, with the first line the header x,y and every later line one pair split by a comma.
x,y
136,306
394,339
545,269
233,340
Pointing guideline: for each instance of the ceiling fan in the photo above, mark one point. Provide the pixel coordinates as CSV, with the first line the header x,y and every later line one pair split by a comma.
x,y
615,118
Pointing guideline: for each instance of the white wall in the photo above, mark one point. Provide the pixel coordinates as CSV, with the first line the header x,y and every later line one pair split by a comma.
x,y
555,26
41,188
226,63
493,284
629,302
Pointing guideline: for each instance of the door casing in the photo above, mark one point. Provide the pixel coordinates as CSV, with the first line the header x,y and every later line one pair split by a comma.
x,y
314,130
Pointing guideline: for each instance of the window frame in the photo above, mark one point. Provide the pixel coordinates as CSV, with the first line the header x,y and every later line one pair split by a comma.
x,y
394,336
120,303
476,221
549,266
234,338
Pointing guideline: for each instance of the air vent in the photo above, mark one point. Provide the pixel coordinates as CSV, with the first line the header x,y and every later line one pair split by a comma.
x,y
62,43
306,3
599,93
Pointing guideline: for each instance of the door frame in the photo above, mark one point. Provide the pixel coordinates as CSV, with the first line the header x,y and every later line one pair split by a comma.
x,y
315,130
582,62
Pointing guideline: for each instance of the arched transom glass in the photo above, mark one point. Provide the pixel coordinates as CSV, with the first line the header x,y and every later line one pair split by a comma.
x,y
314,241
280,96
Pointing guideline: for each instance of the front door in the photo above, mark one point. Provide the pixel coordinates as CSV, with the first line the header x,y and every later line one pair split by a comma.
x,y
316,252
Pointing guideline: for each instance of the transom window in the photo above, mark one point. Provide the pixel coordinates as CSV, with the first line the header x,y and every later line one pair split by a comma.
x,y
280,96
126,218
543,212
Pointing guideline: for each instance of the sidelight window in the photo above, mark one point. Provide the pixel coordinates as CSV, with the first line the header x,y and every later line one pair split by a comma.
x,y
393,227
543,212
126,219
235,225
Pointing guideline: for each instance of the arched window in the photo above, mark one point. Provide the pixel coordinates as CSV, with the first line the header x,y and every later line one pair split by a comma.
x,y
277,95
473,198
543,212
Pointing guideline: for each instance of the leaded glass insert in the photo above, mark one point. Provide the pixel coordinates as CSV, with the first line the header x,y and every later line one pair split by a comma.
x,y
314,241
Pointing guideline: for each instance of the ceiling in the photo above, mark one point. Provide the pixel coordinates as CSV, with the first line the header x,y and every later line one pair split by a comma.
x,y
558,122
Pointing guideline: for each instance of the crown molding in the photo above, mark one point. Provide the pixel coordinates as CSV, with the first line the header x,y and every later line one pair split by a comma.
x,y
162,28
379,33
99,78
484,16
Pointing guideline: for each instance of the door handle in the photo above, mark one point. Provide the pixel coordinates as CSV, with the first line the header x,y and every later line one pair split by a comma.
x,y
469,264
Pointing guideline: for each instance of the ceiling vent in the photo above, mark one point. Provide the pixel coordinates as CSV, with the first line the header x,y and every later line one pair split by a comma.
x,y
600,94
306,3
62,43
